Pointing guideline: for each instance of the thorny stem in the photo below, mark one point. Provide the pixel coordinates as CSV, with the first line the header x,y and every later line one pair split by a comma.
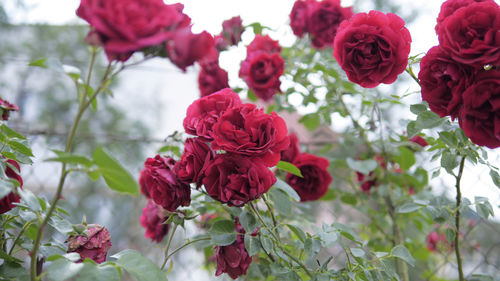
x,y
168,247
457,220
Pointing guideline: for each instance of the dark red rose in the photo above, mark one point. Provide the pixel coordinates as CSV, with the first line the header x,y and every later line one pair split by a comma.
x,y
471,34
197,155
437,242
316,178
212,79
299,17
263,44
480,115
366,182
419,140
152,219
450,6
159,183
233,259
126,26
293,149
323,21
6,203
443,81
94,245
203,113
5,109
248,131
372,48
261,71
185,47
232,30
235,180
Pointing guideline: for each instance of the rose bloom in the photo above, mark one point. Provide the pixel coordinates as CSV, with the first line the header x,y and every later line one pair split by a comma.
x,y
443,81
298,17
316,178
159,182
152,219
235,180
185,47
232,30
480,115
437,242
470,34
372,48
5,109
450,6
7,202
263,43
197,155
125,26
262,71
419,140
203,113
212,79
248,131
233,259
324,18
293,149
366,184
94,245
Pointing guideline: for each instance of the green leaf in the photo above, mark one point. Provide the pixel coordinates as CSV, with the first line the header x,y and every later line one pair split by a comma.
x,y
115,176
61,225
401,252
281,201
71,159
428,120
495,177
412,129
362,166
289,167
357,252
450,235
19,147
172,148
252,245
6,187
248,221
251,96
349,198
63,269
31,201
223,233
449,138
285,187
418,108
11,133
408,208
311,121
141,268
449,161
101,272
483,207
405,158
39,63
299,232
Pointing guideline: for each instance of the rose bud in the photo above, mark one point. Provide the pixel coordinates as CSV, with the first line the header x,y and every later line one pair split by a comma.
x,y
6,107
6,203
419,140
94,243
233,259
316,178
153,220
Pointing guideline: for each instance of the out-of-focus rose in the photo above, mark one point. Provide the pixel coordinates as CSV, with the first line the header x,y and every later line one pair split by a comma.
x,y
185,48
233,259
443,81
203,113
316,178
152,219
6,203
419,140
437,242
236,180
299,17
372,48
5,109
470,34
197,155
366,182
94,245
159,182
248,131
212,79
324,18
293,149
263,43
480,115
126,26
232,30
262,71
450,6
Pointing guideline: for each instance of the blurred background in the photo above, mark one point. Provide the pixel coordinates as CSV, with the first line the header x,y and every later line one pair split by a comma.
x,y
149,103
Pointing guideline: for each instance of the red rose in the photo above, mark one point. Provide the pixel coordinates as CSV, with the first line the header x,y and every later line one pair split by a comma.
x,y
233,259
126,26
261,71
316,178
236,180
299,17
450,6
480,115
6,203
419,140
372,48
249,131
232,30
203,113
443,81
185,48
197,155
5,109
94,244
212,79
470,34
263,44
159,183
153,220
366,184
437,242
293,149
323,21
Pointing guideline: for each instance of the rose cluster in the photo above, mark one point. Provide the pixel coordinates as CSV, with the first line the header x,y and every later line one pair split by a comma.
x,y
320,19
460,77
314,169
123,27
263,67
